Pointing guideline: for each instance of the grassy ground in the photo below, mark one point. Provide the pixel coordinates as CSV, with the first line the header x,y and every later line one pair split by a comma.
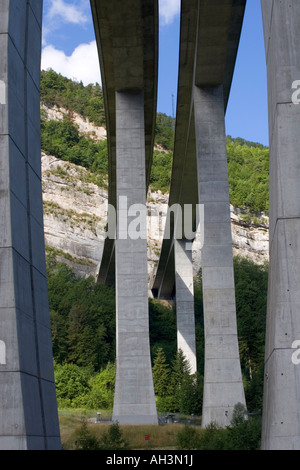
x,y
76,426
160,437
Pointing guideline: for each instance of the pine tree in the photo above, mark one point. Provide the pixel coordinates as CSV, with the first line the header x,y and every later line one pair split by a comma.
x,y
183,384
181,368
161,374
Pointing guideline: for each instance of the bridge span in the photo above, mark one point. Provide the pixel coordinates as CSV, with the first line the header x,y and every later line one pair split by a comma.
x,y
127,38
210,34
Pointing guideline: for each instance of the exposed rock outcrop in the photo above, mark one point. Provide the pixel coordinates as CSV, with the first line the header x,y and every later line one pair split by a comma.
x,y
75,215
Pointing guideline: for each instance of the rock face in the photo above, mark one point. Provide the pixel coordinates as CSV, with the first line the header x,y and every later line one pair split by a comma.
x,y
74,209
75,216
250,239
84,126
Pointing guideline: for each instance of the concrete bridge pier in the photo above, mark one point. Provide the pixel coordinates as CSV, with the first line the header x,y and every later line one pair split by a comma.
x,y
184,281
134,393
28,410
281,412
223,387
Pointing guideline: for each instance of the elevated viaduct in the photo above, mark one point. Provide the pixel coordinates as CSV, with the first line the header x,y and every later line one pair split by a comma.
x,y
127,38
210,34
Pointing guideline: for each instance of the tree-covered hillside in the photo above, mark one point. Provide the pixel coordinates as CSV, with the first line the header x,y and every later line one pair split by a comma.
x,y
248,171
248,162
83,332
63,140
83,326
62,92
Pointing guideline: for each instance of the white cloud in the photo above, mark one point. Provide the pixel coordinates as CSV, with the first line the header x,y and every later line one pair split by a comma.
x,y
82,65
69,13
168,9
58,13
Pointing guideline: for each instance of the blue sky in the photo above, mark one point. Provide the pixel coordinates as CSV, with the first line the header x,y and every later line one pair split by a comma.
x,y
69,48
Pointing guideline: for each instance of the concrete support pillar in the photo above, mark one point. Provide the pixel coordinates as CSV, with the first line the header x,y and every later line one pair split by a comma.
x,y
281,415
185,312
28,410
134,394
223,387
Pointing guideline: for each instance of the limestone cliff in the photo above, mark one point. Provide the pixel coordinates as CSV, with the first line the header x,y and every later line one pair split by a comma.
x,y
75,215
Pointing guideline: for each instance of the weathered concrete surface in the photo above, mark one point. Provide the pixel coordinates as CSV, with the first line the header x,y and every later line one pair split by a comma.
x,y
210,32
134,401
209,39
186,337
127,40
28,411
281,417
218,38
223,386
183,189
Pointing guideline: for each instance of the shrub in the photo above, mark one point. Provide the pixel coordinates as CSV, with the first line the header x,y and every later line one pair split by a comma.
x,y
244,432
85,439
187,438
113,439
101,394
71,385
213,438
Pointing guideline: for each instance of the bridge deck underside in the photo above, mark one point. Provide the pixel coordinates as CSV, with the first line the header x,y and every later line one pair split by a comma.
x,y
209,40
127,40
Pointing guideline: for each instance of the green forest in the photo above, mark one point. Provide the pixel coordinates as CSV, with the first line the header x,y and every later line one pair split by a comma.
x,y
83,334
83,326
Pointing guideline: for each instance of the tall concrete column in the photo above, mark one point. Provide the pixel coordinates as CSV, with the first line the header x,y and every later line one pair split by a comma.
x,y
223,387
185,311
281,415
134,393
28,410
